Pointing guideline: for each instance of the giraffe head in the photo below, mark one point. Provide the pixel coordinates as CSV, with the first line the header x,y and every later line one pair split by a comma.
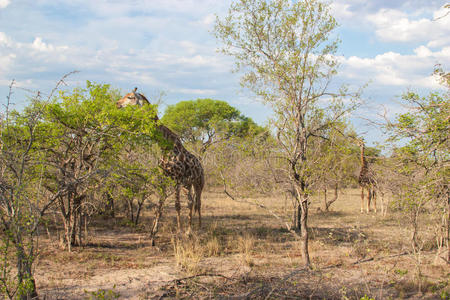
x,y
132,98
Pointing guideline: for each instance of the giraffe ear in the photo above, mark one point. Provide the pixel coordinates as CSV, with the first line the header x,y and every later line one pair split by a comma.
x,y
134,90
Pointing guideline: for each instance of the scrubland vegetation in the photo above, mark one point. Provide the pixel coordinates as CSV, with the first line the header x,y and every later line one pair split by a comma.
x,y
80,183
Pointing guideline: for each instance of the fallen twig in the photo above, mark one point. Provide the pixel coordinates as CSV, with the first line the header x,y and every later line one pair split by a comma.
x,y
178,280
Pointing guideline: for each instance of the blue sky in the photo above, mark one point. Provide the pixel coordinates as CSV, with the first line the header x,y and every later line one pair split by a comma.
x,y
166,46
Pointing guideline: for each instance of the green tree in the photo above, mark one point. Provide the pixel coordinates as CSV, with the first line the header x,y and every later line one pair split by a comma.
x,y
204,122
338,161
85,134
23,201
57,151
421,151
284,50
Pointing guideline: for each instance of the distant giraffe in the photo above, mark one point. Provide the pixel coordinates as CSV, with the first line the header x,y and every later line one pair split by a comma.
x,y
366,180
177,163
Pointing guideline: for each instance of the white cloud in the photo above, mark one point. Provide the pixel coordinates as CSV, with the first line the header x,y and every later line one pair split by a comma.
x,y
189,47
4,40
39,45
423,51
208,19
166,45
392,25
341,10
197,61
4,3
394,69
202,92
6,61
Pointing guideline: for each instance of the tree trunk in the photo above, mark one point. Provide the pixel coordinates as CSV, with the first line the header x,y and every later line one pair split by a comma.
x,y
130,209
304,233
294,215
66,213
336,195
109,207
72,219
76,238
27,284
303,222
139,208
448,227
158,214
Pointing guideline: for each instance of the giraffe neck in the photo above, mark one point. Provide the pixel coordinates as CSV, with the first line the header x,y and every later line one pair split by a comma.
x,y
363,157
172,138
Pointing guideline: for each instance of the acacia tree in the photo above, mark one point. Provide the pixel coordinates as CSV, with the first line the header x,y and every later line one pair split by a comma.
x,y
86,135
207,121
424,157
215,130
135,178
284,49
338,161
23,201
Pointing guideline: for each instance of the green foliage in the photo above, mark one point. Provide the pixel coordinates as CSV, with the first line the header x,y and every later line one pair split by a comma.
x,y
336,157
136,176
421,155
244,165
87,111
286,52
208,121
425,126
83,134
60,149
401,272
21,201
102,294
423,135
276,40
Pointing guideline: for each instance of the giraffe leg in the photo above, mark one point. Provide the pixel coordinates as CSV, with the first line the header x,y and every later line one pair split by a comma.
x,y
362,199
369,199
374,198
198,203
178,206
191,208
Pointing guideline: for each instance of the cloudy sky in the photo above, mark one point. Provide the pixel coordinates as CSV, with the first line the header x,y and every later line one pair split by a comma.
x,y
167,45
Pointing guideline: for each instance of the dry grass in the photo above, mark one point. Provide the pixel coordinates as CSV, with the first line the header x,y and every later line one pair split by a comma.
x,y
188,254
212,247
245,246
354,255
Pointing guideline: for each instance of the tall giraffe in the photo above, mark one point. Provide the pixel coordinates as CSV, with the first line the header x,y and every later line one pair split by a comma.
x,y
366,181
177,163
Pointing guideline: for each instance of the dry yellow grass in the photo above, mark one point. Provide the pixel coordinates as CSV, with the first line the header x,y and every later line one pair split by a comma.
x,y
188,254
353,255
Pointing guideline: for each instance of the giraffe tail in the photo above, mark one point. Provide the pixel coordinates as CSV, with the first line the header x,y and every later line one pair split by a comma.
x,y
198,196
198,199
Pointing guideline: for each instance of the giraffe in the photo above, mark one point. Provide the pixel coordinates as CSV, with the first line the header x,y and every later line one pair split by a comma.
x,y
366,181
177,163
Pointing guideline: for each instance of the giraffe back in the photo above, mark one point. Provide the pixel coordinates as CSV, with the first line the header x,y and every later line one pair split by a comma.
x,y
183,167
